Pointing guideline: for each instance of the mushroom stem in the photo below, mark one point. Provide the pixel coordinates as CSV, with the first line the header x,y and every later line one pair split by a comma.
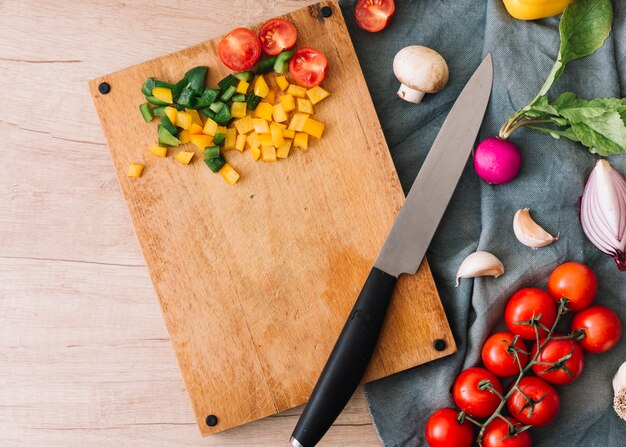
x,y
409,94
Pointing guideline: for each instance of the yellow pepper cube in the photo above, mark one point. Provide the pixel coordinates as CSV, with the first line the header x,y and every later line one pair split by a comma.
x,y
297,121
244,125
184,136
195,116
290,134
195,129
265,140
277,135
297,91
281,126
242,87
313,128
238,109
268,153
260,125
253,141
171,113
163,93
230,140
255,153
283,150
240,142
288,103
304,106
282,83
201,141
301,140
260,87
264,110
159,151
184,157
183,119
135,170
210,127
229,174
316,94
220,129
279,113
271,95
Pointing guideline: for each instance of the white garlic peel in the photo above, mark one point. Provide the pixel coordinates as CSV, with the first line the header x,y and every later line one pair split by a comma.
x,y
619,388
480,263
528,232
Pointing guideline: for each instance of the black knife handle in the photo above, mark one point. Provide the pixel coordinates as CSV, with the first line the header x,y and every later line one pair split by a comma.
x,y
348,360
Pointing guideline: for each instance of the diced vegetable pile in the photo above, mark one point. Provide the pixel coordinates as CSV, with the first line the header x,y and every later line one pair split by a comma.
x,y
260,111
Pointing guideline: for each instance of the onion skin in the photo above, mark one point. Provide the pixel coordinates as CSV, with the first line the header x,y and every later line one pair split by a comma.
x,y
497,161
603,212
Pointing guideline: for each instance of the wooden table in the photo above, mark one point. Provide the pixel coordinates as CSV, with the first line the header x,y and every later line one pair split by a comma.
x,y
84,356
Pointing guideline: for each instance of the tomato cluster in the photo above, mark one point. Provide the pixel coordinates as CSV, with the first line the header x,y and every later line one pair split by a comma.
x,y
553,358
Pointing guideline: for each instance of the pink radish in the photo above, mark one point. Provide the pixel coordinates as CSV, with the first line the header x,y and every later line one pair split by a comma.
x,y
497,161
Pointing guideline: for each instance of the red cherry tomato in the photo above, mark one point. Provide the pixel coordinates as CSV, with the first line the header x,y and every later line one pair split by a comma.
x,y
553,352
574,281
497,434
308,67
443,430
526,304
374,15
545,402
471,399
602,328
498,359
239,50
277,35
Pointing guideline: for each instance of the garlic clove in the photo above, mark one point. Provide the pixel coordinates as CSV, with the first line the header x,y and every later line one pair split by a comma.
x,y
480,263
528,232
619,388
619,380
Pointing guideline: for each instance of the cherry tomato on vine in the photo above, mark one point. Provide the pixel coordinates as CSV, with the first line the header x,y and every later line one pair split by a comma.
x,y
543,407
308,67
497,434
471,399
554,351
526,304
574,281
444,430
498,359
374,15
277,35
602,328
239,49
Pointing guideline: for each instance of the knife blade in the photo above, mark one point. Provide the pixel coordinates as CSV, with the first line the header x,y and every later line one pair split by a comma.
x,y
402,252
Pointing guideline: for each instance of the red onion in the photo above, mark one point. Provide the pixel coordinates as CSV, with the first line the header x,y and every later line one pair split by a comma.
x,y
603,212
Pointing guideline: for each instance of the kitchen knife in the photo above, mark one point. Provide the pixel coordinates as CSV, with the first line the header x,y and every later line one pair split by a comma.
x,y
402,252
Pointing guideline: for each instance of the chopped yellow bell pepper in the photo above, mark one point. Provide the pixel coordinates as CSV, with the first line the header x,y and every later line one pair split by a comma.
x,y
184,136
210,127
316,94
297,121
195,116
264,110
282,83
184,157
183,119
159,151
279,113
260,87
277,135
240,142
195,129
297,91
304,106
201,141
231,139
171,113
280,125
268,153
271,95
253,141
244,125
242,87
255,152
229,174
535,9
238,109
265,139
301,140
220,129
135,170
163,93
313,128
288,103
290,134
260,125
283,150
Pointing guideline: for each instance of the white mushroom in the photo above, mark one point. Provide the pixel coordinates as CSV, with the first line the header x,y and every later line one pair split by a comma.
x,y
420,70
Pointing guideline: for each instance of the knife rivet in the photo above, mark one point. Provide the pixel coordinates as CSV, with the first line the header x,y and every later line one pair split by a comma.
x,y
439,344
211,420
326,11
104,88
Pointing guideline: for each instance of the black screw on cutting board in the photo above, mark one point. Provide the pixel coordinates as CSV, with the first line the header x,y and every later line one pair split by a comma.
x,y
104,88
326,11
211,420
439,344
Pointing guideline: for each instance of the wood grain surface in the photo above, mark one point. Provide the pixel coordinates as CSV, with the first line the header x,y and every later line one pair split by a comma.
x,y
84,355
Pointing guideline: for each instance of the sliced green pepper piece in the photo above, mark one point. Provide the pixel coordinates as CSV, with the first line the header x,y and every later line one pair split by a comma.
x,y
151,83
230,91
211,152
208,97
253,101
178,88
282,61
240,97
223,116
186,97
155,101
244,76
195,78
146,112
159,110
214,164
228,81
219,138
217,106
208,113
166,138
267,65
167,124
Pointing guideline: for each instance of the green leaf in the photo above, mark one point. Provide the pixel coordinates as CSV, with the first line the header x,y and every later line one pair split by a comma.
x,y
604,135
557,133
541,107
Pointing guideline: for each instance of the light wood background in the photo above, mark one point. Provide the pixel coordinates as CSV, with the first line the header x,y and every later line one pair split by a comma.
x,y
84,354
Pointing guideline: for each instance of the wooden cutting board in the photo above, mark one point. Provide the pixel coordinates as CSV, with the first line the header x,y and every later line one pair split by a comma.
x,y
255,280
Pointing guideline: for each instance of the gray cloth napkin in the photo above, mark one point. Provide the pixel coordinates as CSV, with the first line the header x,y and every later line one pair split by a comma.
x,y
480,216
